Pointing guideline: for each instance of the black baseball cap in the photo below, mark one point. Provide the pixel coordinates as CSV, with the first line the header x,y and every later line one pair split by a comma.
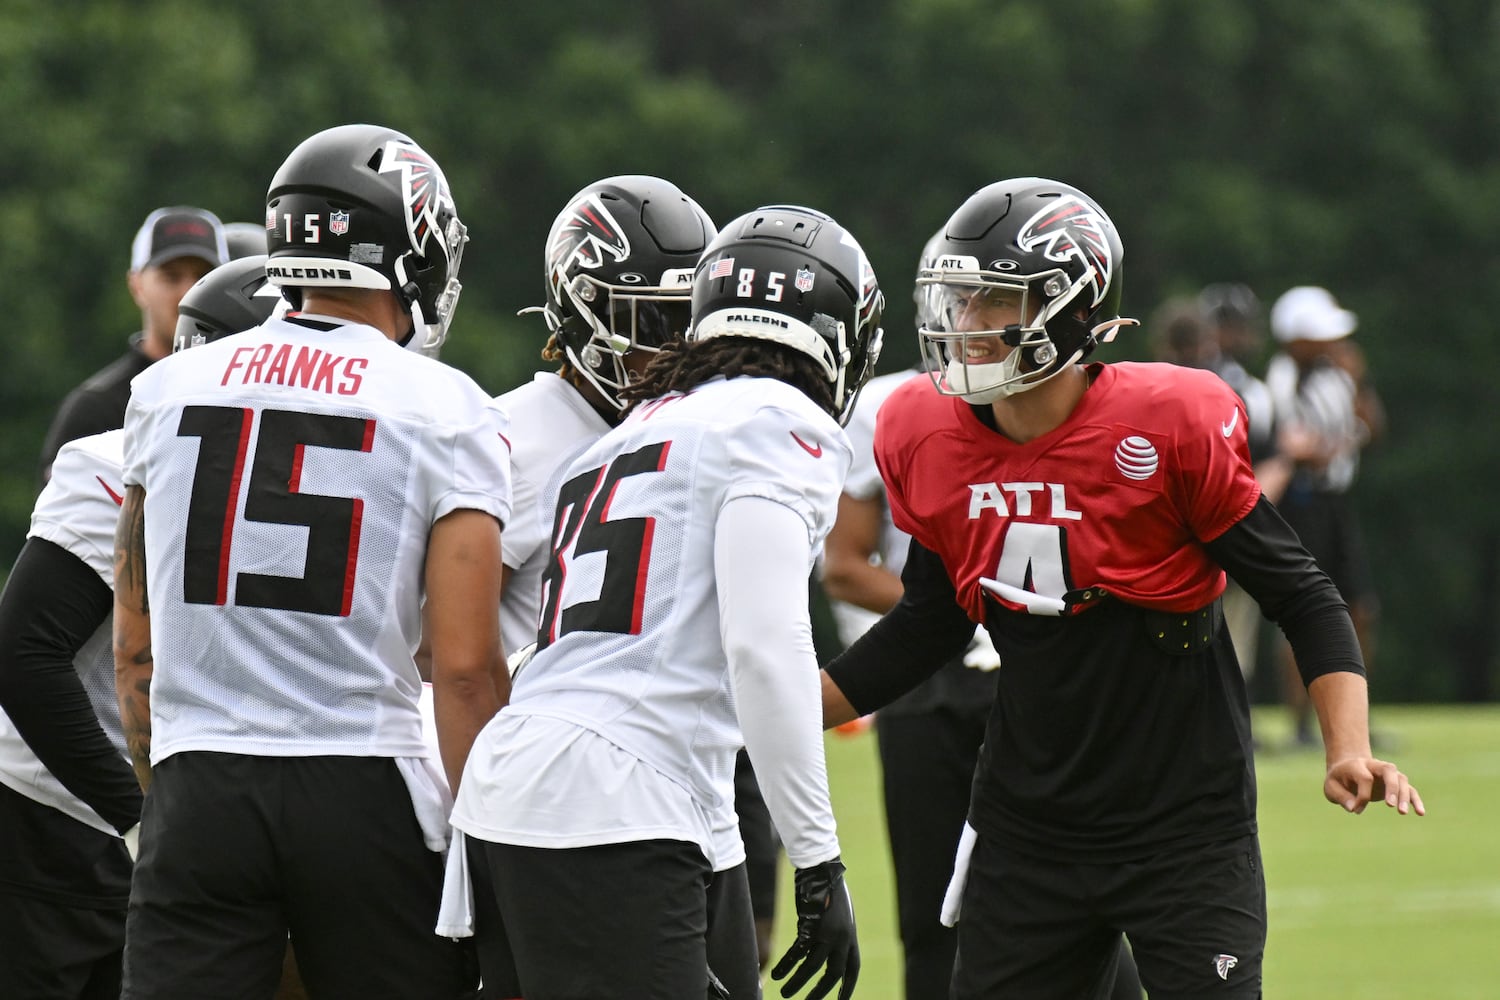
x,y
179,231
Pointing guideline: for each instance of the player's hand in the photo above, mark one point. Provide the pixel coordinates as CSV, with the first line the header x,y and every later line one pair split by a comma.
x,y
825,934
1355,782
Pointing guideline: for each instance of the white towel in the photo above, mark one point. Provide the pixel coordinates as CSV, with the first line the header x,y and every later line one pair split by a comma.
x,y
1036,604
430,798
456,914
953,899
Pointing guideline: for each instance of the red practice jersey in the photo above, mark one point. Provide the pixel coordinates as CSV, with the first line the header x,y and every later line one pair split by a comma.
x,y
1153,461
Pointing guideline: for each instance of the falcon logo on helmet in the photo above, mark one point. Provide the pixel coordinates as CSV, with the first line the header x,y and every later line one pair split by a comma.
x,y
871,302
1071,229
423,187
588,234
619,261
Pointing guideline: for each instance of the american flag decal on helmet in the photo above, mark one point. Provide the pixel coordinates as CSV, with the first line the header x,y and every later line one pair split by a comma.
x,y
1071,229
587,233
423,188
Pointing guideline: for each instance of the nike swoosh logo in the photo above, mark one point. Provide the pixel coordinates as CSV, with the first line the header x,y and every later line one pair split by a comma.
x,y
119,500
1234,420
816,451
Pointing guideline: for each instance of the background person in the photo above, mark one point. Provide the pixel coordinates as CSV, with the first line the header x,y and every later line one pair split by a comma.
x,y
1330,413
244,239
1213,332
173,249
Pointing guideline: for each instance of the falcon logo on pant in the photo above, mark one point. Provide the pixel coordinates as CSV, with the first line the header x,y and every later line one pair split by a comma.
x,y
1223,963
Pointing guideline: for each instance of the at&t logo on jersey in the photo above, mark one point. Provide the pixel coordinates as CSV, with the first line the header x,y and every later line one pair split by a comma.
x,y
1136,458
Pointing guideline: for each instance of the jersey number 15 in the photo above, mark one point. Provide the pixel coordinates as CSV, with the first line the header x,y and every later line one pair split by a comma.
x,y
271,497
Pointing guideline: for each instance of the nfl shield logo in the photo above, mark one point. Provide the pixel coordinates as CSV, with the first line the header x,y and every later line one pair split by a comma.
x,y
804,280
338,223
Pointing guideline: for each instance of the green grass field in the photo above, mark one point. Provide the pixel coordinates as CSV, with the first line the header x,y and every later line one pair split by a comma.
x,y
1362,907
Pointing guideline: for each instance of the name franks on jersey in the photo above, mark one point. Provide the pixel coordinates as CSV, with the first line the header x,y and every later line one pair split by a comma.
x,y
1025,500
311,368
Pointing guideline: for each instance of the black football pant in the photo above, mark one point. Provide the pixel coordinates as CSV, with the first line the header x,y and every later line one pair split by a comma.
x,y
927,767
927,762
237,852
731,932
63,887
1036,928
622,921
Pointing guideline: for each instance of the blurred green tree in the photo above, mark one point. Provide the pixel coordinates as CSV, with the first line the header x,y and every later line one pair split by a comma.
x,y
1266,141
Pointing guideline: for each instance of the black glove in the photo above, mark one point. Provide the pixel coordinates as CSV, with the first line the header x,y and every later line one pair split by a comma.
x,y
825,934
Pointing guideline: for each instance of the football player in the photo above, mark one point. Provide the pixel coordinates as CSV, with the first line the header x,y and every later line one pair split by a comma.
x,y
929,739
69,803
674,628
1086,514
617,276
291,495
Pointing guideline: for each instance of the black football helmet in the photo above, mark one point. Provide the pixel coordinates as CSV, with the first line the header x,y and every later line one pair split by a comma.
x,y
232,298
1043,241
926,296
796,277
362,206
619,273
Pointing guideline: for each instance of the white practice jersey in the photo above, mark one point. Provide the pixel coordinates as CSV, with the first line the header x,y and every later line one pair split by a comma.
x,y
293,474
77,511
630,686
552,421
1321,400
864,483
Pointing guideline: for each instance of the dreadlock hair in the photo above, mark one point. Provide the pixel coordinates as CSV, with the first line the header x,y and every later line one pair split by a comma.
x,y
553,352
680,366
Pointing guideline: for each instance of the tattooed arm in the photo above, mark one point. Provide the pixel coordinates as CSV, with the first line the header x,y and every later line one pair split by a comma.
x,y
132,632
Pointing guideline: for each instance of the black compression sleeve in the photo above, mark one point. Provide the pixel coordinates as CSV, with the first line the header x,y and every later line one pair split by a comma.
x,y
52,604
926,629
1264,555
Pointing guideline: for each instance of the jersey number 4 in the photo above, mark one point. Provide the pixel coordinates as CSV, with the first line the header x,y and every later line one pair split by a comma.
x,y
271,497
581,526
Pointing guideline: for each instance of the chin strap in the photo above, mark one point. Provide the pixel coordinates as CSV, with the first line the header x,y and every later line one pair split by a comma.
x,y
1105,332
